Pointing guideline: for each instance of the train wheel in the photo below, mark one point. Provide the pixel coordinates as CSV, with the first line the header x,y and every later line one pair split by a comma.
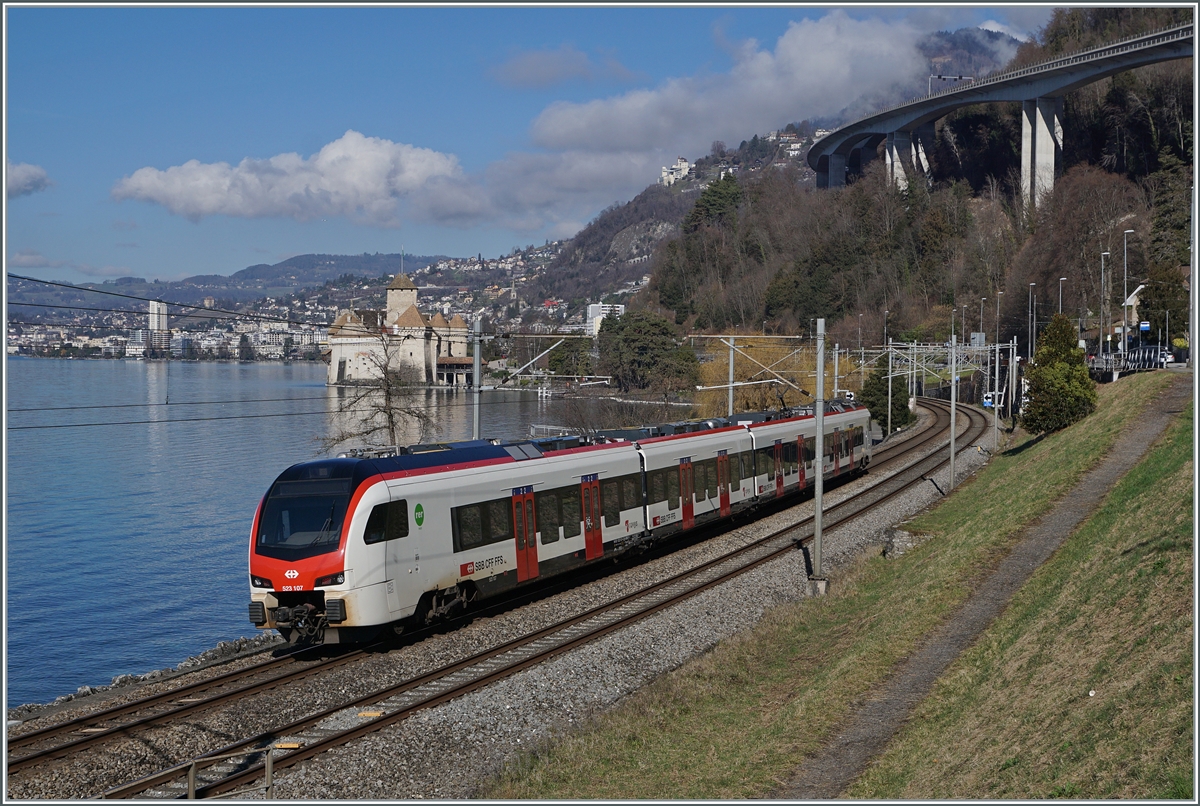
x,y
424,609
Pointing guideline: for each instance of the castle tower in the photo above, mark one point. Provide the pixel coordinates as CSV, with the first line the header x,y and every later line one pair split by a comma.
x,y
401,295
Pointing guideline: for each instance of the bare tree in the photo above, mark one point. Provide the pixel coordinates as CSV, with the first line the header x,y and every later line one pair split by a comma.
x,y
377,411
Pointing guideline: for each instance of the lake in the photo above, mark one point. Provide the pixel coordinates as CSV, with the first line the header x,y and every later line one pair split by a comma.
x,y
130,490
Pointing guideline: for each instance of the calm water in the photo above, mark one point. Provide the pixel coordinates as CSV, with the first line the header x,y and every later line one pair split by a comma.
x,y
126,543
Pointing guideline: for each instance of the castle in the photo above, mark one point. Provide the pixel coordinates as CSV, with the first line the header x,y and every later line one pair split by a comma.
x,y
428,350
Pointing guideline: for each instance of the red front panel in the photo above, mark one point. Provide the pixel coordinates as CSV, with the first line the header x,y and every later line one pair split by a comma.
x,y
525,533
687,483
593,536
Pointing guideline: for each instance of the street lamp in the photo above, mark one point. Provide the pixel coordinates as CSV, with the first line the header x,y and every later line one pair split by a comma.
x,y
1029,317
1103,299
1125,298
1060,282
885,316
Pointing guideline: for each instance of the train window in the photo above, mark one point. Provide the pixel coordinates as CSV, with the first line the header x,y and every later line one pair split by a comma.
x,y
789,457
764,461
468,527
658,486
387,522
481,524
302,519
700,471
631,492
710,476
499,521
672,489
610,499
735,480
572,511
547,515
810,449
746,459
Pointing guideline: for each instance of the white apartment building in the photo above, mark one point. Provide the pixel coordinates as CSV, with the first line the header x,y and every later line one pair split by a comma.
x,y
596,314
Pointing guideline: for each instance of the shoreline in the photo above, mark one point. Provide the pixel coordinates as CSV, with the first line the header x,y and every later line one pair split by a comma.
x,y
223,652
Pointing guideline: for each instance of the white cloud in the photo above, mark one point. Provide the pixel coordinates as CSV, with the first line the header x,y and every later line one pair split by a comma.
x,y
1001,28
539,69
818,67
31,259
360,178
22,179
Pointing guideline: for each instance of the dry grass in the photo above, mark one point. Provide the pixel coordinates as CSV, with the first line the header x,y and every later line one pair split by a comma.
x,y
736,722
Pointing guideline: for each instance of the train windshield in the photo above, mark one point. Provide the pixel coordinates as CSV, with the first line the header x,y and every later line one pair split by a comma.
x,y
302,518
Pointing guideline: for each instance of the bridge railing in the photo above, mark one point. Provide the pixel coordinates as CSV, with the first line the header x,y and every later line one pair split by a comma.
x,y
1136,42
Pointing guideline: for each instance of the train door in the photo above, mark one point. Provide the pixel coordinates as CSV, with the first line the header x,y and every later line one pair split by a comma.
x,y
593,536
778,467
687,492
800,456
525,533
723,482
837,451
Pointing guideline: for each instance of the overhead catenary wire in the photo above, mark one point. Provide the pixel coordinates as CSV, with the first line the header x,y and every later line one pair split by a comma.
x,y
441,407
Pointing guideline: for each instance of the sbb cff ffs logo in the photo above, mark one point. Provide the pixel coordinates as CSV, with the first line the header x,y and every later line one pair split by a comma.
x,y
291,573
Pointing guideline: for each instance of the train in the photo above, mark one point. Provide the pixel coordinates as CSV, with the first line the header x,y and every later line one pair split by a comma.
x,y
346,547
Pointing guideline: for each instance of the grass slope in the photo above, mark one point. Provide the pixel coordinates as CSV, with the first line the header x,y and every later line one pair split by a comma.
x,y
1083,688
737,721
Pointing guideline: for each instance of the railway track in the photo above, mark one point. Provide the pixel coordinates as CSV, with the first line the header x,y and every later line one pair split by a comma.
x,y
243,762
26,750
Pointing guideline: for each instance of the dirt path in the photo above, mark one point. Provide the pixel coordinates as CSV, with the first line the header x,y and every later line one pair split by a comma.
x,y
868,730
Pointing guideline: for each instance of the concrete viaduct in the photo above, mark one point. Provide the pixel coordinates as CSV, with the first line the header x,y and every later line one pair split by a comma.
x,y
908,128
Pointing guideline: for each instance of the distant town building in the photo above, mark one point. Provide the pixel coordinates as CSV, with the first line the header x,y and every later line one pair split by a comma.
x,y
676,172
596,313
158,316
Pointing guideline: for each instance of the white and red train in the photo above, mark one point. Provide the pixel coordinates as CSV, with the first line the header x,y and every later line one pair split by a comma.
x,y
342,547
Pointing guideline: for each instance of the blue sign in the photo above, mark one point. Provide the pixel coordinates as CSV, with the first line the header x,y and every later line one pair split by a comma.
x,y
1146,326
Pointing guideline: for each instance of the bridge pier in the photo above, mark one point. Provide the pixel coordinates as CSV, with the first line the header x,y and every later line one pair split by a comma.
x,y
1041,147
906,157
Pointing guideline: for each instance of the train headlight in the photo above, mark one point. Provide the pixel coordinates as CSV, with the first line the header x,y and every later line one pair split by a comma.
x,y
260,582
332,579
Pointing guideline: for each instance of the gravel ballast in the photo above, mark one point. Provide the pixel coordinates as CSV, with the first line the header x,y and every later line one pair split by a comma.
x,y
450,750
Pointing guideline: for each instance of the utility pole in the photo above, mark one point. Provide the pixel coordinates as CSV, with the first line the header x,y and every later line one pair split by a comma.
x,y
953,405
819,406
477,375
1125,298
1030,316
731,340
889,417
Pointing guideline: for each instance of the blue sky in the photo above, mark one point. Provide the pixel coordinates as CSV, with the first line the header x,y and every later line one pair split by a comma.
x,y
167,142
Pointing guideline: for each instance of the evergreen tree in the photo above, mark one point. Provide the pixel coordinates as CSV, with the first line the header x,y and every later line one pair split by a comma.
x,y
874,396
1060,390
638,350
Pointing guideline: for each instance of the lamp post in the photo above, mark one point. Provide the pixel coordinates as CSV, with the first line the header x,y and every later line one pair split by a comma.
x,y
885,316
1125,297
981,301
1029,316
1103,299
1060,282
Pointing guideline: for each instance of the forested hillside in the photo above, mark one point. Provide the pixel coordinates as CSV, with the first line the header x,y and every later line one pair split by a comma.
x,y
761,252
